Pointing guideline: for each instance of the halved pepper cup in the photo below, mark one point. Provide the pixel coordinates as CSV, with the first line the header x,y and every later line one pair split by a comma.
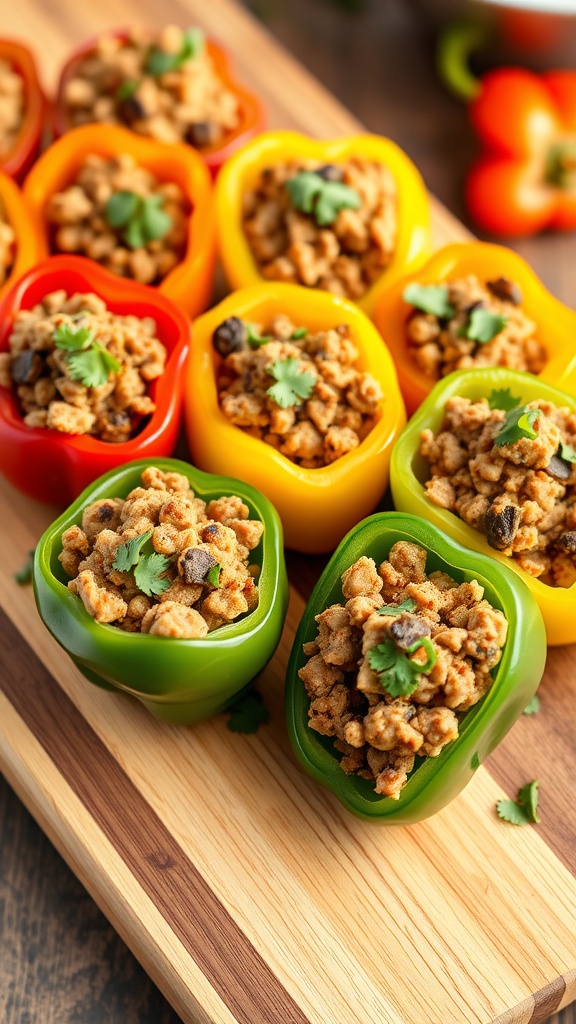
x,y
409,473
189,284
252,116
17,161
555,322
178,680
26,249
317,506
434,781
52,466
243,169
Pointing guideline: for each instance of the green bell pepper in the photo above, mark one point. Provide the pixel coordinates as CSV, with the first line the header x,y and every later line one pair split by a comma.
x,y
434,781
408,473
179,680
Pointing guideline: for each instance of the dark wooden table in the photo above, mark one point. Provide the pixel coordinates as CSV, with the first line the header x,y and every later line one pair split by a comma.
x,y
61,962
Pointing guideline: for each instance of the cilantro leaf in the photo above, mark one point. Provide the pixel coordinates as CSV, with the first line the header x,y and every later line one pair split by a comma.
x,y
213,575
127,89
518,424
149,573
502,398
92,366
120,208
523,810
483,326
155,221
429,298
247,713
567,452
398,674
299,333
128,553
254,339
397,609
143,220
293,384
159,62
310,193
533,706
24,575
71,339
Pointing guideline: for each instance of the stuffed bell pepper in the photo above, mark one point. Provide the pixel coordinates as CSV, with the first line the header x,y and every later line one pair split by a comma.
x,y
165,583
23,109
292,390
347,216
412,660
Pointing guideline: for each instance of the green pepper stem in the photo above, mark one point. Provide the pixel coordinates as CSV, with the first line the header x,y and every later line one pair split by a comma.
x,y
560,167
456,42
426,643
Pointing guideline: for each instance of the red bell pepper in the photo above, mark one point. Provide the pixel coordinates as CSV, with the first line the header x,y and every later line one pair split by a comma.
x,y
525,179
55,467
21,156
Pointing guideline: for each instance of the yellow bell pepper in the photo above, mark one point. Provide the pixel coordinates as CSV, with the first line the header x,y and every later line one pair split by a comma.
x,y
317,506
241,172
555,323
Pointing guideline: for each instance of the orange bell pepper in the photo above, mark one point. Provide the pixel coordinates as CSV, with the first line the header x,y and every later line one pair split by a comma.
x,y
556,323
27,250
317,506
189,285
243,169
252,116
24,151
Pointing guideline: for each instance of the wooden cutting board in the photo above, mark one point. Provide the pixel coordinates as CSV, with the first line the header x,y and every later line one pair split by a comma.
x,y
245,890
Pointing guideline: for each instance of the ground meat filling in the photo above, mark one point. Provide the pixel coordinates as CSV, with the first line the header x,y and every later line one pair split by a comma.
x,y
166,88
12,104
397,615
46,377
119,214
442,343
296,390
521,494
7,246
184,563
345,255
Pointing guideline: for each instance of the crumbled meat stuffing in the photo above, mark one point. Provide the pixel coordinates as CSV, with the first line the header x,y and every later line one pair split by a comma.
x,y
438,345
521,495
11,106
345,257
40,371
195,537
379,735
343,404
118,82
80,221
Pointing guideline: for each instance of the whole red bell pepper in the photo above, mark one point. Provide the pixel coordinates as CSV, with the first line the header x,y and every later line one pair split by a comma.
x,y
525,179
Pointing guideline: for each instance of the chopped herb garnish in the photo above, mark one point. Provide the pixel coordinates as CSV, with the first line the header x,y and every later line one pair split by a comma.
x,y
533,706
430,298
128,553
254,339
247,713
502,398
150,566
213,575
567,452
483,326
519,423
299,333
24,575
293,384
475,761
87,360
310,193
396,609
398,674
159,62
143,220
523,810
127,89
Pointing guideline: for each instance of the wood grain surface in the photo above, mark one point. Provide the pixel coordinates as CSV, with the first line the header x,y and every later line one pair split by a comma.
x,y
254,896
